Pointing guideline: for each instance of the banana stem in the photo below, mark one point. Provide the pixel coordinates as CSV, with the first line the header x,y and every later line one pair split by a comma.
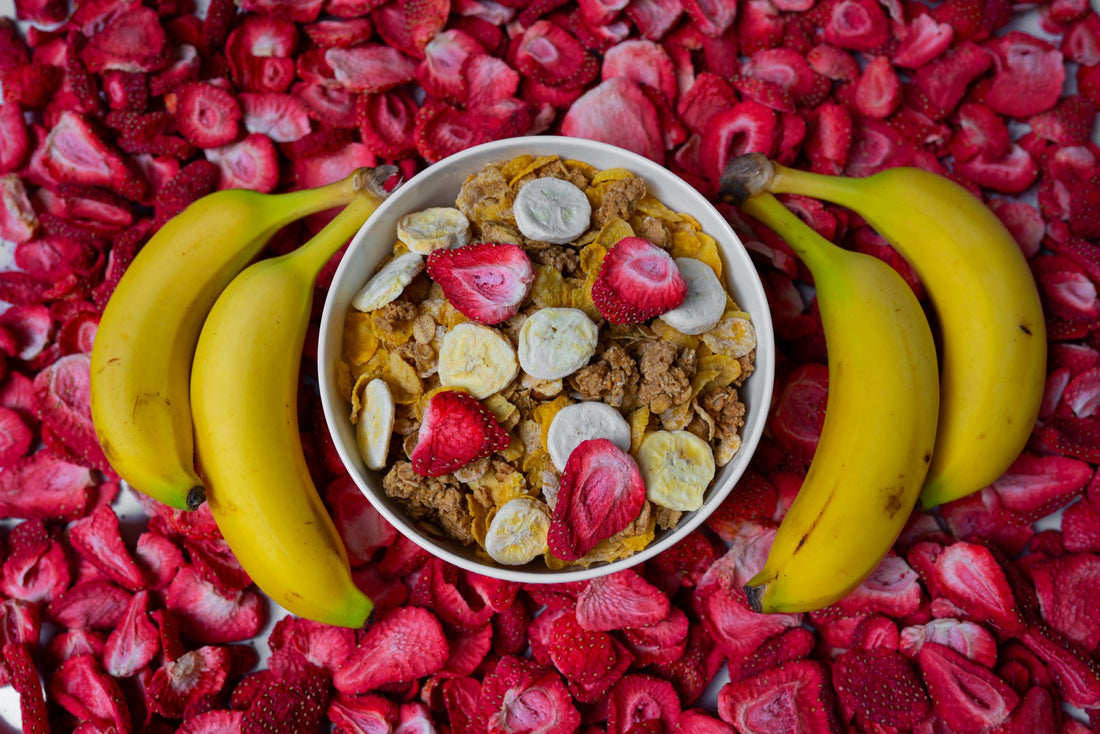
x,y
812,248
297,204
369,195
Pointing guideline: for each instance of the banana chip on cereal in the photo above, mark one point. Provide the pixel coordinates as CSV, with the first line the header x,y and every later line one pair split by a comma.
x,y
388,283
677,467
734,335
374,426
478,359
434,228
517,533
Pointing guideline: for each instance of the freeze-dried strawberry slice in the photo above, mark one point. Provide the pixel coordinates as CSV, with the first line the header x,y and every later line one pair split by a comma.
x,y
24,679
370,67
440,71
195,180
796,696
800,410
968,696
406,644
132,39
639,701
980,131
747,127
83,688
591,662
601,493
549,54
36,568
281,117
98,539
442,130
880,686
179,685
654,18
298,11
74,152
637,281
969,639
15,437
486,281
794,643
251,163
18,220
1028,75
520,695
923,39
643,61
19,625
892,588
620,600
618,112
296,643
488,80
685,563
939,86
1068,123
857,25
878,91
215,563
1068,588
97,604
1012,173
134,643
1072,669
44,486
63,400
363,529
708,95
387,123
1081,527
1036,486
971,577
409,27
366,713
295,706
209,616
456,429
661,642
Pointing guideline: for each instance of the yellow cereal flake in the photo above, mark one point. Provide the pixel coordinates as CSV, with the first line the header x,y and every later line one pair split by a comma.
x,y
360,339
510,169
612,231
500,407
545,412
639,424
611,174
515,448
702,379
533,165
401,377
591,258
548,290
585,168
699,245
727,368
610,549
342,375
669,334
651,205
482,515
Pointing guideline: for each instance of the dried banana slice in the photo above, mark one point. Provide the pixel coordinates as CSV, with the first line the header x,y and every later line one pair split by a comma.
x,y
435,228
388,283
734,335
552,210
375,424
556,342
517,533
677,467
478,359
579,422
704,303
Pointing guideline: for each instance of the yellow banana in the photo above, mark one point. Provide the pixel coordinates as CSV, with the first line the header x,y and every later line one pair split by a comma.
x,y
141,358
880,425
987,304
244,396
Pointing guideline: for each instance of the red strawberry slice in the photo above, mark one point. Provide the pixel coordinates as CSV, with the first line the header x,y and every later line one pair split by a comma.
x,y
881,686
1068,589
1028,75
1036,486
134,643
980,131
708,95
857,25
617,111
410,26
620,600
795,696
601,493
795,643
25,681
640,703
637,281
747,127
486,281
343,32
406,644
251,163
281,117
370,67
968,696
440,72
208,116
1081,527
643,61
75,153
971,577
549,54
922,40
938,87
456,430
15,142
1073,669
878,91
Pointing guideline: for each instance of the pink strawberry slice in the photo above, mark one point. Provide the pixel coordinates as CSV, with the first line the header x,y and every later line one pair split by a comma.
x,y
456,430
486,281
637,281
601,493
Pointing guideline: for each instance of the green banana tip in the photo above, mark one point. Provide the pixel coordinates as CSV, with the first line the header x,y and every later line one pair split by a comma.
x,y
744,177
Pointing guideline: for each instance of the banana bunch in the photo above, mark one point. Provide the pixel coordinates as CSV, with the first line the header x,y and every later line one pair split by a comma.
x,y
195,379
991,324
141,358
244,400
901,426
879,430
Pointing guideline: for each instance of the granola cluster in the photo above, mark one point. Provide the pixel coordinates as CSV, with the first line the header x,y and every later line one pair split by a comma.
x,y
655,376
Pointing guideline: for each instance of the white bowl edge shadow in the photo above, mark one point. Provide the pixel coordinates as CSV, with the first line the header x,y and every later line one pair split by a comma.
x,y
438,185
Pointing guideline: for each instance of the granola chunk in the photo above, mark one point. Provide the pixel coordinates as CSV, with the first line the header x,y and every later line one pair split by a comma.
x,y
619,199
612,378
655,231
438,500
725,407
393,315
665,383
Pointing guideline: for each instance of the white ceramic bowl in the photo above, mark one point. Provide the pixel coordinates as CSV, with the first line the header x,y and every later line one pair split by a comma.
x,y
438,185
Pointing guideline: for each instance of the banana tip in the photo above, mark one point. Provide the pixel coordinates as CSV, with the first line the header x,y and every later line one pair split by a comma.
x,y
744,177
755,596
195,497
380,180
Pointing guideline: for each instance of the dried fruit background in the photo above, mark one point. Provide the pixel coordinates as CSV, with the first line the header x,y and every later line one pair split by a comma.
x,y
117,115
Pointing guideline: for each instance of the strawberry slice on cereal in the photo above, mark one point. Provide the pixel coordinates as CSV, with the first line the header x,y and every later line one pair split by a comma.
x,y
637,281
486,281
456,430
601,493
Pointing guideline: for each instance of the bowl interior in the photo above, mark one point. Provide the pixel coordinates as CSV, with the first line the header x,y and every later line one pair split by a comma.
x,y
438,185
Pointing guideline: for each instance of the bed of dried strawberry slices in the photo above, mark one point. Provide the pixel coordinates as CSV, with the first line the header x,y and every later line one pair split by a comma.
x,y
115,115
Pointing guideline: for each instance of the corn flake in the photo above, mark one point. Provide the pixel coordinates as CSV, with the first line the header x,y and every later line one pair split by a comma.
x,y
734,335
698,245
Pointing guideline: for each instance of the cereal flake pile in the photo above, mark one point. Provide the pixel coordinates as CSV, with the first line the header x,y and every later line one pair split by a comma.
x,y
556,361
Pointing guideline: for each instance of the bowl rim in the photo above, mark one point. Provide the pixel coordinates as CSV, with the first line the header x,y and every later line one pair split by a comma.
x,y
693,202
